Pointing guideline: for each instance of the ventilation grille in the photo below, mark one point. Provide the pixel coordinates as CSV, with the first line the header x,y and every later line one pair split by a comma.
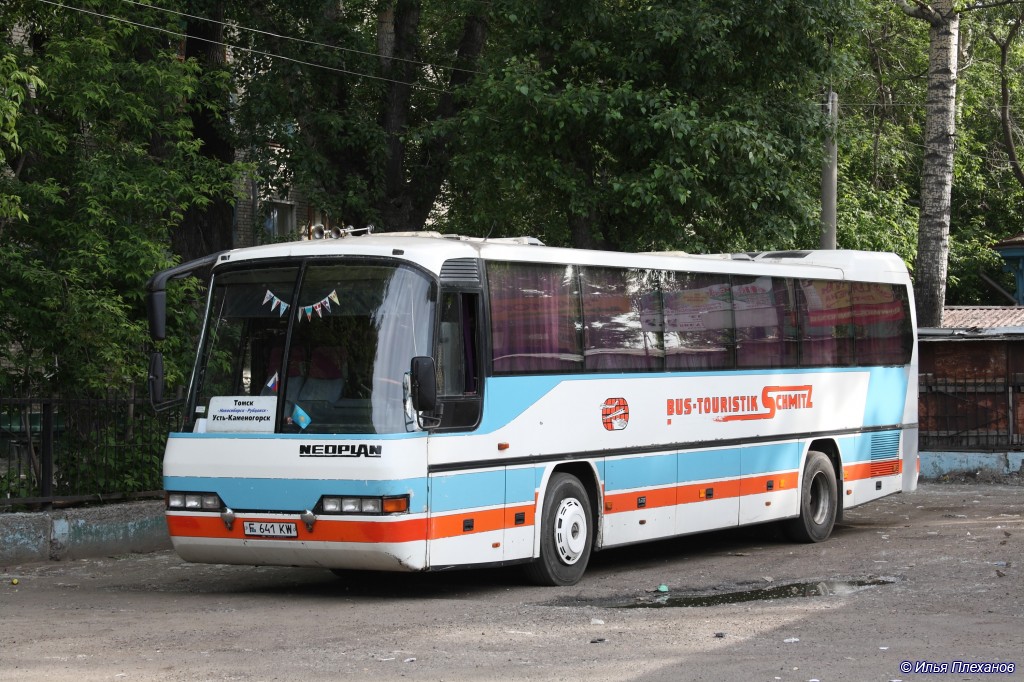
x,y
786,254
885,447
461,270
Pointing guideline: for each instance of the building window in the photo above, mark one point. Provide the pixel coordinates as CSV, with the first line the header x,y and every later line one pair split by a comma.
x,y
278,220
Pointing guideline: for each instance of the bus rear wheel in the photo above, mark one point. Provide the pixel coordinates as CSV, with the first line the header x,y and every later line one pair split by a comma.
x,y
566,536
819,501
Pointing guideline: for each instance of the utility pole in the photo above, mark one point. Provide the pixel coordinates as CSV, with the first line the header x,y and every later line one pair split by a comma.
x,y
830,174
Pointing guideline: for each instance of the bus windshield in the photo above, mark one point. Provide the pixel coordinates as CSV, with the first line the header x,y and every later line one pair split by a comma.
x,y
324,349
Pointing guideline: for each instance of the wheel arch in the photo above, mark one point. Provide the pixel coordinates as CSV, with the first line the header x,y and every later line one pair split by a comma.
x,y
586,473
830,448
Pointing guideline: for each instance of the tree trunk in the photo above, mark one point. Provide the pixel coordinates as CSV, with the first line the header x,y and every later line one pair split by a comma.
x,y
1004,108
398,39
435,163
207,229
937,168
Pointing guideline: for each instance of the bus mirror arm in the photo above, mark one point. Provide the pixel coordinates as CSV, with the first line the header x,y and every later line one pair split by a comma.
x,y
427,422
156,292
156,378
156,383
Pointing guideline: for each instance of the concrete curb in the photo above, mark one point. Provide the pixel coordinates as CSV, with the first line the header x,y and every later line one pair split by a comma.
x,y
937,464
83,533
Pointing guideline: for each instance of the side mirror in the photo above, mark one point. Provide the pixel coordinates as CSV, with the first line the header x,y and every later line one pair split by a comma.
x,y
156,378
424,384
156,310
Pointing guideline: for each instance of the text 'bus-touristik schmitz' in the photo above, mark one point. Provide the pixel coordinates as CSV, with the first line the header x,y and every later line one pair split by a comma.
x,y
417,401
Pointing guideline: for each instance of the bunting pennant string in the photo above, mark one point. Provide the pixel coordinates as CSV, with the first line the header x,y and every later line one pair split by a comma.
x,y
320,307
275,303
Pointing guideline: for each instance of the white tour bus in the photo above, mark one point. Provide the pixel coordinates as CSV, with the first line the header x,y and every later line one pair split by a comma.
x,y
418,402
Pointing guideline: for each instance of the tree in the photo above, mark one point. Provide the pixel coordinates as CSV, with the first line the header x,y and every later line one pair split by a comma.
x,y
567,121
341,109
105,165
937,170
206,227
647,125
16,87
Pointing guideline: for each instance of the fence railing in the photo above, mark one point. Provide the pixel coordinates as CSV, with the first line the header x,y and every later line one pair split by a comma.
x,y
971,413
68,450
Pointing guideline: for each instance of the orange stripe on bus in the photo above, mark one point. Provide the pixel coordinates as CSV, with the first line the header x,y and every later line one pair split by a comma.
x,y
660,497
453,525
324,530
759,484
698,492
862,470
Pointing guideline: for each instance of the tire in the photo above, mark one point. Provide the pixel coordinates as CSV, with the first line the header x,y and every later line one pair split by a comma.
x,y
819,500
566,533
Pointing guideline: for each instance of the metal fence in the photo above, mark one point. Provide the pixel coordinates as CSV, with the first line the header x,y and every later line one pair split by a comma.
x,y
68,450
971,413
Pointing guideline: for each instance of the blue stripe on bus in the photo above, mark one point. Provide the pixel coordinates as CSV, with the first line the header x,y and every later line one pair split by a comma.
x,y
688,467
859,448
521,484
508,397
290,494
518,485
300,436
766,459
887,393
638,472
466,491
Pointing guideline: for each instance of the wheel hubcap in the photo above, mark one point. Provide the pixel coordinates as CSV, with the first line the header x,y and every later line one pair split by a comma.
x,y
570,530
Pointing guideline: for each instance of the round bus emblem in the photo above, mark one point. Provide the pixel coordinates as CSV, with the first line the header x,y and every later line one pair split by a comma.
x,y
615,414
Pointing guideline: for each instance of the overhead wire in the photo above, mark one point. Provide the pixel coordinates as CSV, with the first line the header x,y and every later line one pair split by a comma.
x,y
242,48
271,55
305,41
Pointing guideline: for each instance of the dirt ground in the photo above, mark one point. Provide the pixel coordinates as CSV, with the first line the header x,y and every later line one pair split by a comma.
x,y
911,582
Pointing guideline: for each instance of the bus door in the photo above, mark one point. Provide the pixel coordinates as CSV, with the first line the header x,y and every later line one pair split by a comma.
x,y
481,514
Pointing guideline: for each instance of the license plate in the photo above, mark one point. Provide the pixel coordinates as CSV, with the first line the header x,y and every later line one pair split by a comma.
x,y
271,529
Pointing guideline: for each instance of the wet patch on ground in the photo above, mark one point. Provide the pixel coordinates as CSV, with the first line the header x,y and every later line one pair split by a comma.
x,y
663,597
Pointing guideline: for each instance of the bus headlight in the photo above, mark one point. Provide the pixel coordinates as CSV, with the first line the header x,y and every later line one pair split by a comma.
x,y
194,501
333,504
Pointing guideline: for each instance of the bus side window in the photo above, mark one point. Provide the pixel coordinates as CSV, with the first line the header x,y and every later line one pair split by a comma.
x,y
758,332
827,323
881,317
698,327
536,321
458,360
615,335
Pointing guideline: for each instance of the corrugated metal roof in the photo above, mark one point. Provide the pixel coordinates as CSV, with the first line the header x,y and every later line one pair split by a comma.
x,y
1015,240
982,317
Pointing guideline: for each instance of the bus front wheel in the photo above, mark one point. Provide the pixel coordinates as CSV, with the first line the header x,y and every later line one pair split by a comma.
x,y
566,536
819,501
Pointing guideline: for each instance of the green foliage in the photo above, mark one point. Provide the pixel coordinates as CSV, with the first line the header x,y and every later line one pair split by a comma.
x,y
624,125
105,166
15,86
881,145
647,124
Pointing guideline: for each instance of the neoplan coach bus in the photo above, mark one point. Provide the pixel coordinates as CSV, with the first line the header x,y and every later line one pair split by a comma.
x,y
418,402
